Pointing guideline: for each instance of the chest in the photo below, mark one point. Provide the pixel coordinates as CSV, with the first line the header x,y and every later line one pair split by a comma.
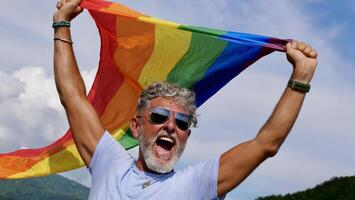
x,y
176,186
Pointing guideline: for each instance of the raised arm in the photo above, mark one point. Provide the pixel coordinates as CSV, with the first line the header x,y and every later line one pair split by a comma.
x,y
84,122
237,163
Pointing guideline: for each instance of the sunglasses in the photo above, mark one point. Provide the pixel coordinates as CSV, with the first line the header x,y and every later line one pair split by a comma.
x,y
160,115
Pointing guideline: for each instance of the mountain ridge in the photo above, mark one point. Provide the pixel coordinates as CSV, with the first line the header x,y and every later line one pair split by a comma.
x,y
337,188
52,187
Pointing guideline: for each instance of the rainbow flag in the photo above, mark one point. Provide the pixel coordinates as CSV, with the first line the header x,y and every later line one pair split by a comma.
x,y
137,50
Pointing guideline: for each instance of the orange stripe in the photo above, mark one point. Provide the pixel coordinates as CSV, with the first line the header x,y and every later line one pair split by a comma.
x,y
118,9
15,164
135,41
121,108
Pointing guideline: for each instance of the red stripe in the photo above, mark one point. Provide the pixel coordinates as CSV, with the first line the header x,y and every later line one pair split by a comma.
x,y
95,4
35,152
108,78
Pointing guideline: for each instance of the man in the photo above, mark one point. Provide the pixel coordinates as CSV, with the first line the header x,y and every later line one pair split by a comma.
x,y
165,113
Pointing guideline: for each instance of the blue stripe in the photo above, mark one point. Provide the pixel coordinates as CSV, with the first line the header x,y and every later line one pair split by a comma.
x,y
233,60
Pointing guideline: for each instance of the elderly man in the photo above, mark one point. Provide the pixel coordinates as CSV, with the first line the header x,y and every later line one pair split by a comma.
x,y
165,114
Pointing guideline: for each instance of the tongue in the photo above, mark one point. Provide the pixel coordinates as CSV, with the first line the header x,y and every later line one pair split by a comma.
x,y
162,152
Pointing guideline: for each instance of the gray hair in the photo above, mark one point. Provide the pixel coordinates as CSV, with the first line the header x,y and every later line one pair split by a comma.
x,y
182,96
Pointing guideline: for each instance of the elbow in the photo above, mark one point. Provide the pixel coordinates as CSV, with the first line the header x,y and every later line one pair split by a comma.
x,y
270,150
269,142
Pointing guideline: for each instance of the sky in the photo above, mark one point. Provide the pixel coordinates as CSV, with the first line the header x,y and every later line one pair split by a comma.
x,y
320,145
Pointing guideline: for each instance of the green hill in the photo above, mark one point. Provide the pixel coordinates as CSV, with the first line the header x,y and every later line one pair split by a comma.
x,y
53,187
340,188
3,198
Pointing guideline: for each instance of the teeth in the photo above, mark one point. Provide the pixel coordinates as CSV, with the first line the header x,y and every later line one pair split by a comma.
x,y
167,139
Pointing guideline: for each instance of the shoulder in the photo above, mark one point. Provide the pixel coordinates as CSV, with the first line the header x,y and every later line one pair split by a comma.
x,y
108,152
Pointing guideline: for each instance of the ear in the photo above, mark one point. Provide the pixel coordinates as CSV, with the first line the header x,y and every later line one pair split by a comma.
x,y
189,133
134,126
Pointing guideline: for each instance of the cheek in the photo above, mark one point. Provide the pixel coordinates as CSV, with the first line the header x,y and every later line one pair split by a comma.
x,y
182,137
150,130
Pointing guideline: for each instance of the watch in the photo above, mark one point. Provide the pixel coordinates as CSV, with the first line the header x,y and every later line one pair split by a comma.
x,y
299,86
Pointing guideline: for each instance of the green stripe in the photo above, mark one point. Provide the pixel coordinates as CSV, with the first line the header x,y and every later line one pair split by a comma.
x,y
127,140
204,50
202,30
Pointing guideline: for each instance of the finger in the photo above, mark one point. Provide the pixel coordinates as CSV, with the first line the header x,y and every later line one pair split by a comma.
x,y
313,54
307,50
77,2
59,5
291,51
79,9
289,46
64,2
294,43
301,46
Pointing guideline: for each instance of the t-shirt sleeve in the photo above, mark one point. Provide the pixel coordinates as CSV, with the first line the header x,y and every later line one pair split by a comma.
x,y
107,151
205,177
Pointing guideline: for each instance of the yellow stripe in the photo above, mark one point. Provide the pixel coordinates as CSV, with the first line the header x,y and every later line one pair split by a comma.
x,y
170,45
157,21
118,133
66,159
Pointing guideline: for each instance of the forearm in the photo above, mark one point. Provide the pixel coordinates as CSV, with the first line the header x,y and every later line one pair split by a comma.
x,y
279,124
67,76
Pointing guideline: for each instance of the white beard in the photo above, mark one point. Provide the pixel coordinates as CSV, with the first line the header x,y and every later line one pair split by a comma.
x,y
146,146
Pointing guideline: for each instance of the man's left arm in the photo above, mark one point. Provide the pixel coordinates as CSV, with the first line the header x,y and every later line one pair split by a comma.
x,y
237,163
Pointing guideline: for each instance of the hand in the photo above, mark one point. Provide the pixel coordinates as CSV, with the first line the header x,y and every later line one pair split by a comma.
x,y
304,60
67,10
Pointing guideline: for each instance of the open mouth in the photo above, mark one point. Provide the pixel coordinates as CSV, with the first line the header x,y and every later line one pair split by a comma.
x,y
165,142
164,146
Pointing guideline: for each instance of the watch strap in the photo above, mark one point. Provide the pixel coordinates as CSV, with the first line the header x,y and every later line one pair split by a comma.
x,y
299,86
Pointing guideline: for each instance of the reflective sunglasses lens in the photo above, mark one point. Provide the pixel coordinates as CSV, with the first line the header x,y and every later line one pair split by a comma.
x,y
183,121
159,115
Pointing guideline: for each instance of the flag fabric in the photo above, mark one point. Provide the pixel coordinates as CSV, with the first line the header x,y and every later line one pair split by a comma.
x,y
136,50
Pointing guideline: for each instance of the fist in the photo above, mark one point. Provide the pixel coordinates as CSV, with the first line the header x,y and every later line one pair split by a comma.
x,y
67,10
303,59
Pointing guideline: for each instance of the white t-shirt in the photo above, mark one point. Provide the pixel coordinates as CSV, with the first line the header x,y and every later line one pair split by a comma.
x,y
115,176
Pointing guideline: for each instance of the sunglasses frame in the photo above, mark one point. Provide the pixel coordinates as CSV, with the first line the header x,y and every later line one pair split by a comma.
x,y
169,112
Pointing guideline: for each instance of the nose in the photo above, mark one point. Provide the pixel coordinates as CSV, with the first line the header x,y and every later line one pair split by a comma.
x,y
169,125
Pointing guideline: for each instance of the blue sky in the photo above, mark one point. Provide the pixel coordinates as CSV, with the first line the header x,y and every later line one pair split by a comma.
x,y
321,143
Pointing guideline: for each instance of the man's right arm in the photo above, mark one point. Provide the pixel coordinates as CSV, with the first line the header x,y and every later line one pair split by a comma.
x,y
84,122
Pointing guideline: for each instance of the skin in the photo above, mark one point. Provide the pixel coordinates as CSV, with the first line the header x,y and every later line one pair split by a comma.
x,y
150,130
235,164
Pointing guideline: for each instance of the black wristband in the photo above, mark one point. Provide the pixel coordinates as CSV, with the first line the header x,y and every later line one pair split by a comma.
x,y
299,86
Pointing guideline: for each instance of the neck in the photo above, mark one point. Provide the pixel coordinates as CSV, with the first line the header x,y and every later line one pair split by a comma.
x,y
141,165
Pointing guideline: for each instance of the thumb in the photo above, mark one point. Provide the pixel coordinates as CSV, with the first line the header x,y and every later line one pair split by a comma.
x,y
292,53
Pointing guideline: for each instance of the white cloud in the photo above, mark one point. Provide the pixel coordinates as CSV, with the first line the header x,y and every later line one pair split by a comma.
x,y
39,89
10,86
31,114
